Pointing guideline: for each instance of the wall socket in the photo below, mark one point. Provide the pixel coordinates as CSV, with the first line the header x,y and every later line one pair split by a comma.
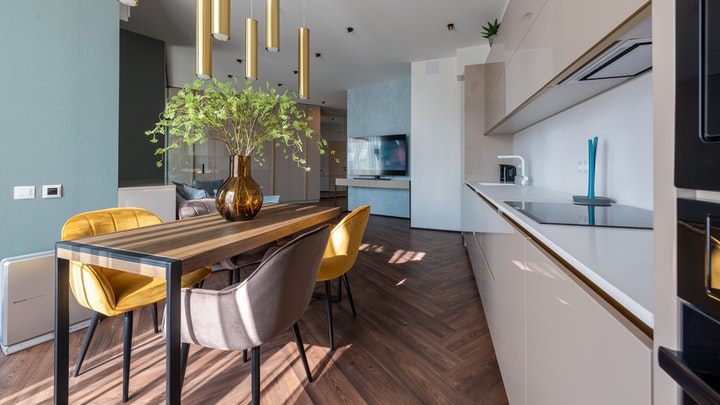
x,y
52,191
582,167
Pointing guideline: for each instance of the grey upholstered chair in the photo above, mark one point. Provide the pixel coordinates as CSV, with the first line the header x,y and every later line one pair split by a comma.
x,y
204,206
267,303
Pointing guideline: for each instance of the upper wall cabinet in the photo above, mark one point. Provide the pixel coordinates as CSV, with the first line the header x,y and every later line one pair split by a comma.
x,y
543,42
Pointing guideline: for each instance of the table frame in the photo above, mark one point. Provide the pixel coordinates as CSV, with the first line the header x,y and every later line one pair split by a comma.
x,y
167,251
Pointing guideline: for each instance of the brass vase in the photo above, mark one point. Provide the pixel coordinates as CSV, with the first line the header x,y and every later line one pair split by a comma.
x,y
239,198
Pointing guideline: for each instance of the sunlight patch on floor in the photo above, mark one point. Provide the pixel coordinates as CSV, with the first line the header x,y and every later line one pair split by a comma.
x,y
404,256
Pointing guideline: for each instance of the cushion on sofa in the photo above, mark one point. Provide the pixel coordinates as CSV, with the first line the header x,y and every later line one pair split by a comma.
x,y
190,193
210,186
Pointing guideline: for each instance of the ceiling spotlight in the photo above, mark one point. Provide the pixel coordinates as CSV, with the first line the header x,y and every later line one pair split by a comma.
x,y
279,84
230,76
239,60
323,102
295,72
317,55
350,29
451,27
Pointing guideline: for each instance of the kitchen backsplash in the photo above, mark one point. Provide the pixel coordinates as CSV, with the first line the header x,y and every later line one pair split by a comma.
x,y
622,120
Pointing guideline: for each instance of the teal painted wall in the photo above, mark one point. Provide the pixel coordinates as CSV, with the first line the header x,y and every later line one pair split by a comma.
x,y
58,115
380,109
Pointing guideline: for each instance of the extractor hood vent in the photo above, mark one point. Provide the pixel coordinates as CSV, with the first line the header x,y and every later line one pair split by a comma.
x,y
626,60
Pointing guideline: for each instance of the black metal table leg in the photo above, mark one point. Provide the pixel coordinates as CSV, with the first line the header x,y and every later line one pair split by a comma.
x,y
62,325
173,382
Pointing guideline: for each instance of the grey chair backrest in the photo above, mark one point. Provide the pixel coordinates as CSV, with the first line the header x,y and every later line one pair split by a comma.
x,y
263,306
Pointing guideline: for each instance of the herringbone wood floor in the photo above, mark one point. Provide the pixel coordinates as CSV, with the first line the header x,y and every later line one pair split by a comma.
x,y
420,337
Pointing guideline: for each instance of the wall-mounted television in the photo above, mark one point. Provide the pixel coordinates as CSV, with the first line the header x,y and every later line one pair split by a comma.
x,y
378,156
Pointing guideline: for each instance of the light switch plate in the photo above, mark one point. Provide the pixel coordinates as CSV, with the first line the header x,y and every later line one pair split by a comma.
x,y
24,192
52,191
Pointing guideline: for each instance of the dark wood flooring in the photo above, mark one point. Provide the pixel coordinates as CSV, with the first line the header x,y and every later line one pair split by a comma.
x,y
420,337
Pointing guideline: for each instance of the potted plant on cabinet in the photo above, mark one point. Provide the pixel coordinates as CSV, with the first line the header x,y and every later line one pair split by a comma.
x,y
244,120
490,31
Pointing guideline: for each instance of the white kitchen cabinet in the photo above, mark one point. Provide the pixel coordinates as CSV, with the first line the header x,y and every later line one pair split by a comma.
x,y
556,341
508,329
516,23
495,99
577,352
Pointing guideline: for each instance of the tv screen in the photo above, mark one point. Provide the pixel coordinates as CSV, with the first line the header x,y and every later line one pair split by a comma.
x,y
383,155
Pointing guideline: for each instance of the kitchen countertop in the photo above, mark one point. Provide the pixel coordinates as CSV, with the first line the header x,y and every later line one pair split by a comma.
x,y
617,260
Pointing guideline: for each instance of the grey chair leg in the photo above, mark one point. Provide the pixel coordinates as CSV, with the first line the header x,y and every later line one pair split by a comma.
x,y
328,299
155,317
301,349
86,342
347,287
245,356
127,347
256,375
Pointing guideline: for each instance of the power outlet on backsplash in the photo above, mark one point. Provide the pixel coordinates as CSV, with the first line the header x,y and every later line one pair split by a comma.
x,y
582,167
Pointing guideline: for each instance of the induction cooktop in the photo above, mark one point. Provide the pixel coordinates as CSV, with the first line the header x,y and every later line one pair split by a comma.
x,y
567,213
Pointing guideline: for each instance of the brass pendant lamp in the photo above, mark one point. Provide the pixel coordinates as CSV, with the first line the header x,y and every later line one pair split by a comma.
x,y
203,39
251,41
272,25
221,20
303,59
304,63
251,48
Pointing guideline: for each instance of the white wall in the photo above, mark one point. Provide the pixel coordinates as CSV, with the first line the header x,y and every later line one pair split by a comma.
x,y
622,120
436,145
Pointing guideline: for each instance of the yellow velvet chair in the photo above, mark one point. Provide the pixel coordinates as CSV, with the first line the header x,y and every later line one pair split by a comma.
x,y
339,257
111,292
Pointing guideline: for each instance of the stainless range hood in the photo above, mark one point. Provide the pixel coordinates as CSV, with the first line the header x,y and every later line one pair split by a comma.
x,y
625,60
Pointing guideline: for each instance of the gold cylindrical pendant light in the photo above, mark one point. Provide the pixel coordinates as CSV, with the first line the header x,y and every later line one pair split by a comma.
x,y
221,20
203,40
251,56
304,63
272,25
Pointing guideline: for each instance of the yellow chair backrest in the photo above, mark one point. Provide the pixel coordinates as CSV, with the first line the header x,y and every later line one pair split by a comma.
x,y
91,285
344,243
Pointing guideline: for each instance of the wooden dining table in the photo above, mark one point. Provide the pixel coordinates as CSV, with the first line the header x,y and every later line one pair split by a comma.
x,y
167,251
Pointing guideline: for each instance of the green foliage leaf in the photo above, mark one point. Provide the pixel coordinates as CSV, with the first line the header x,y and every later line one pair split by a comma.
x,y
242,119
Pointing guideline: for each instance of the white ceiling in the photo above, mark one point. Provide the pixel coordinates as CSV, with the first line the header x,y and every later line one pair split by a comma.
x,y
388,35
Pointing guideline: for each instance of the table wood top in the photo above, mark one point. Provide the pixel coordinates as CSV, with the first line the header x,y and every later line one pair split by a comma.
x,y
196,242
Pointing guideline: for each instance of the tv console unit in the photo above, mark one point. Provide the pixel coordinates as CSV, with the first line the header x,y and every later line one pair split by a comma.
x,y
390,197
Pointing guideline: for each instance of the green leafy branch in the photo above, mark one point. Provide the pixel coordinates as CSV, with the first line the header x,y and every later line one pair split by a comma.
x,y
244,120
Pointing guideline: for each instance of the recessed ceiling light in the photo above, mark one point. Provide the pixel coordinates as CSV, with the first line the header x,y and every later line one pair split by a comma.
x,y
350,29
317,55
451,27
239,60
